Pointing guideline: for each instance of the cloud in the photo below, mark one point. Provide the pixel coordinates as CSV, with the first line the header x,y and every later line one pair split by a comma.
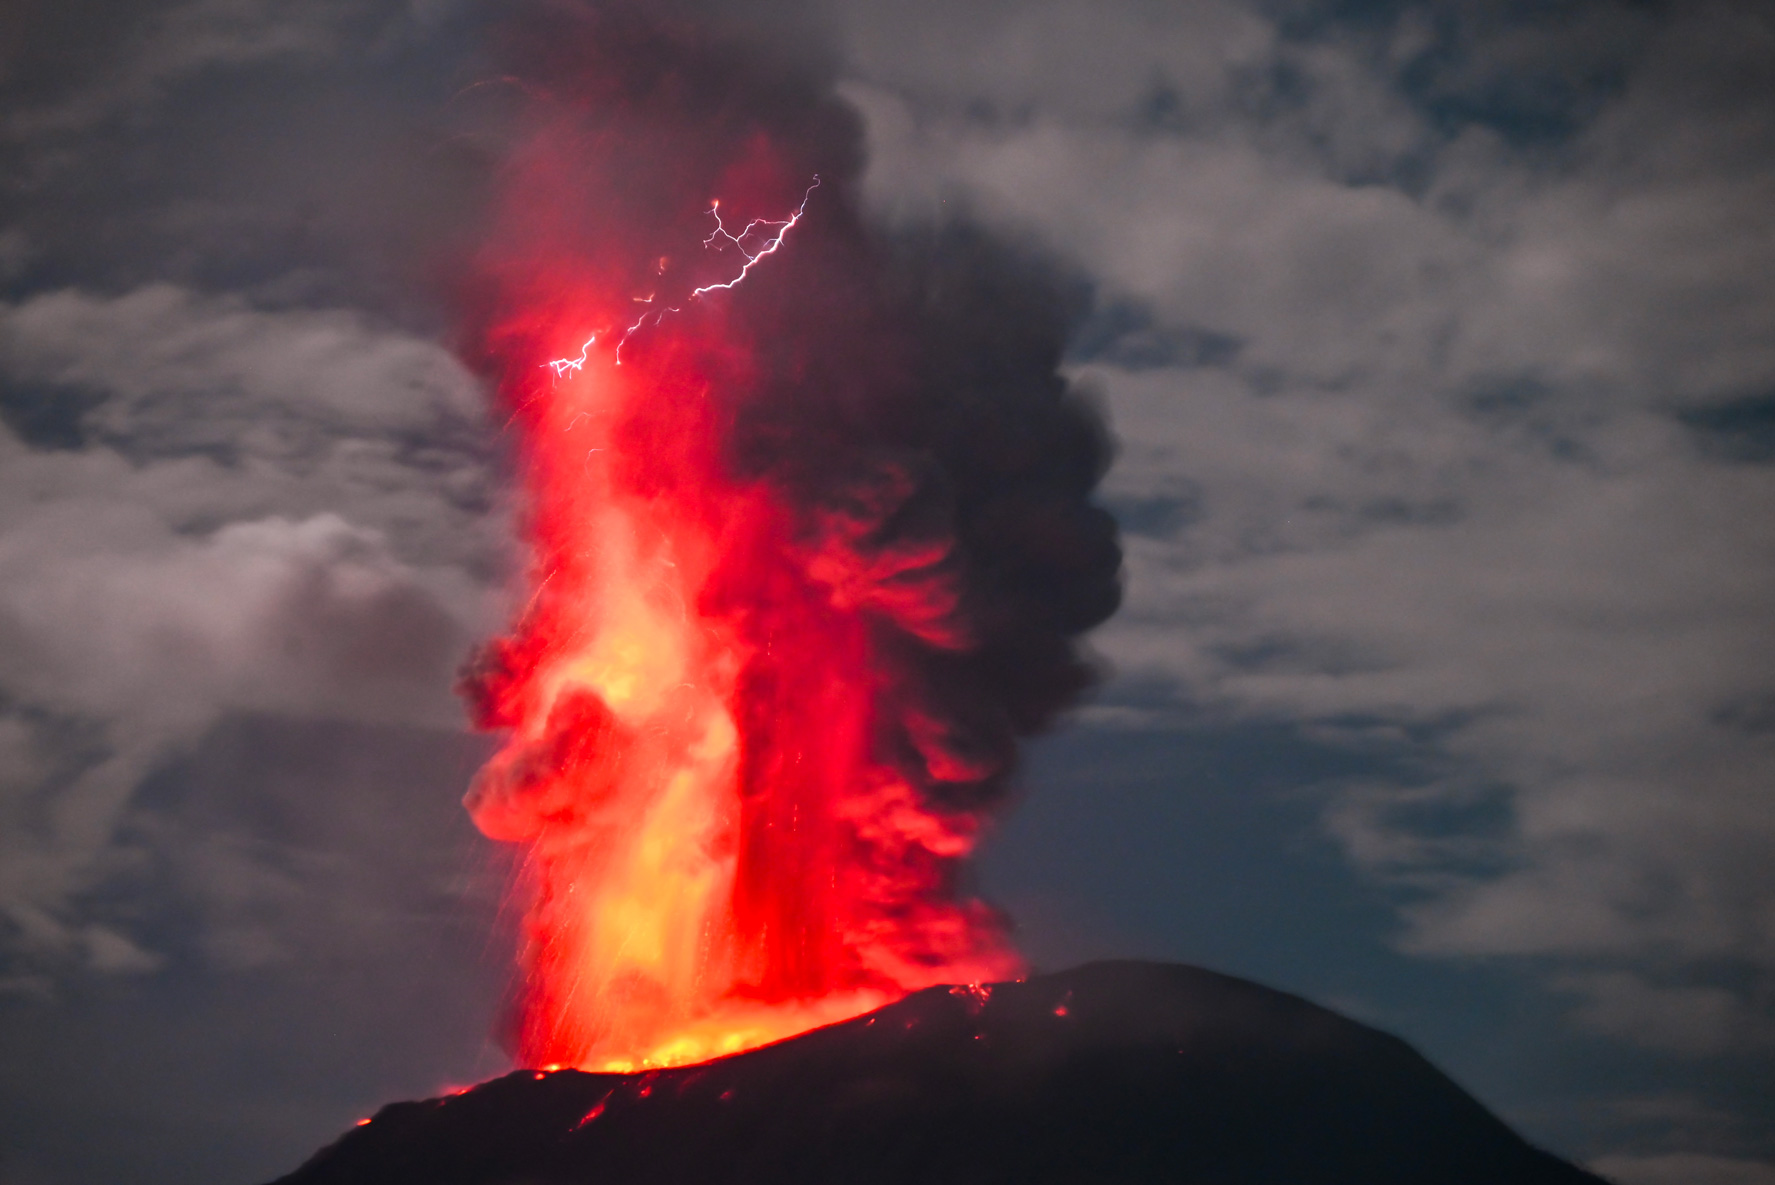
x,y
1433,400
989,64
160,354
214,510
321,154
326,920
1683,1168
1685,1020
81,64
264,615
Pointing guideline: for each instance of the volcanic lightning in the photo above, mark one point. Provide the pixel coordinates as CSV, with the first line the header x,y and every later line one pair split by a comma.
x,y
806,558
752,257
563,366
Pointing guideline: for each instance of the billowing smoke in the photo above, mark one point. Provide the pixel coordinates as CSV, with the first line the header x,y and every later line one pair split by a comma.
x,y
813,544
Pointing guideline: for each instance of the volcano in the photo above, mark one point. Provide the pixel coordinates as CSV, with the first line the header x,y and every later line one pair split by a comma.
x,y
1116,1072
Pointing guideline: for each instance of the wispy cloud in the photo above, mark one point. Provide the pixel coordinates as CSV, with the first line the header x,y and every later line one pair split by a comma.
x,y
178,548
1451,480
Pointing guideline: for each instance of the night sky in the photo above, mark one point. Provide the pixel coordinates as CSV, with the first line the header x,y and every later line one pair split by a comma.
x,y
1438,340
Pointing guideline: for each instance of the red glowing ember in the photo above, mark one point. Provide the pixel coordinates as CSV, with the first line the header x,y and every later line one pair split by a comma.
x,y
745,787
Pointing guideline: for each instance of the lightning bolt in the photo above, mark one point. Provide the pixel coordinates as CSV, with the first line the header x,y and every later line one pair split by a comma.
x,y
563,366
718,238
752,257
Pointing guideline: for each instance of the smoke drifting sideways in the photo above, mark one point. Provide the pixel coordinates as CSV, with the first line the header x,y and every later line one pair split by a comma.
x,y
810,551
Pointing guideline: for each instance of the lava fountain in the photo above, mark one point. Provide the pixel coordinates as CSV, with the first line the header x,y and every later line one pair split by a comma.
x,y
811,538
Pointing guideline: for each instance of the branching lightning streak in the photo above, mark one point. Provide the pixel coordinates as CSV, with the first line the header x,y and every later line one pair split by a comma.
x,y
639,322
565,366
752,257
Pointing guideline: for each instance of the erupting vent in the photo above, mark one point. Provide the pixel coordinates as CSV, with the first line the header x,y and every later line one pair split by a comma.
x,y
811,536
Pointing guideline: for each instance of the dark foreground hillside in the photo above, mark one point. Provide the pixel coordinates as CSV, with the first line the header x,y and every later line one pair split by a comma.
x,y
1112,1073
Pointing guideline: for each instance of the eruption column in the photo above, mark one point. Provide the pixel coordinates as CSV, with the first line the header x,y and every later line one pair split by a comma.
x,y
697,795
808,554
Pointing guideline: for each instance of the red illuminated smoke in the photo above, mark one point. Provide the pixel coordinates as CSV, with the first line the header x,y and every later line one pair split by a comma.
x,y
808,555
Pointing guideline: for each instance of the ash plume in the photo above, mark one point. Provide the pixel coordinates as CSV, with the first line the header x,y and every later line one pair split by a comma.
x,y
873,483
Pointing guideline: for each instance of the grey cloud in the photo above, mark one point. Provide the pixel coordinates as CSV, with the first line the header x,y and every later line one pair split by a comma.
x,y
290,512
1682,1019
300,618
1444,479
328,921
319,155
160,354
209,410
1024,61
1578,638
1683,1168
1535,76
1250,228
284,839
1210,231
245,494
1737,429
177,630
78,64
1126,334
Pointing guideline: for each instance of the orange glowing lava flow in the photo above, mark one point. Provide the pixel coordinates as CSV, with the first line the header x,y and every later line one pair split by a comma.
x,y
718,858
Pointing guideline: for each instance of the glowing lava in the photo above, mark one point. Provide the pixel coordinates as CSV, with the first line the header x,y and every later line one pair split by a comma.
x,y
812,541
717,858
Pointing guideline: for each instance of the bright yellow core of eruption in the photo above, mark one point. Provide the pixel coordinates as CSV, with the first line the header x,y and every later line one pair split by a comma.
x,y
641,934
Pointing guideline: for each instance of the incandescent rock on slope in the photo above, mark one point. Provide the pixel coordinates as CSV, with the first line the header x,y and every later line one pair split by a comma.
x,y
1112,1073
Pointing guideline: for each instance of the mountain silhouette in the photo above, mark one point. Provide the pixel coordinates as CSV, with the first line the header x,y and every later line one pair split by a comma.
x,y
1110,1074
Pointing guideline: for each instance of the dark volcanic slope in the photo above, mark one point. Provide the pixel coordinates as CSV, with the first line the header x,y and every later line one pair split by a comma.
x,y
1114,1072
